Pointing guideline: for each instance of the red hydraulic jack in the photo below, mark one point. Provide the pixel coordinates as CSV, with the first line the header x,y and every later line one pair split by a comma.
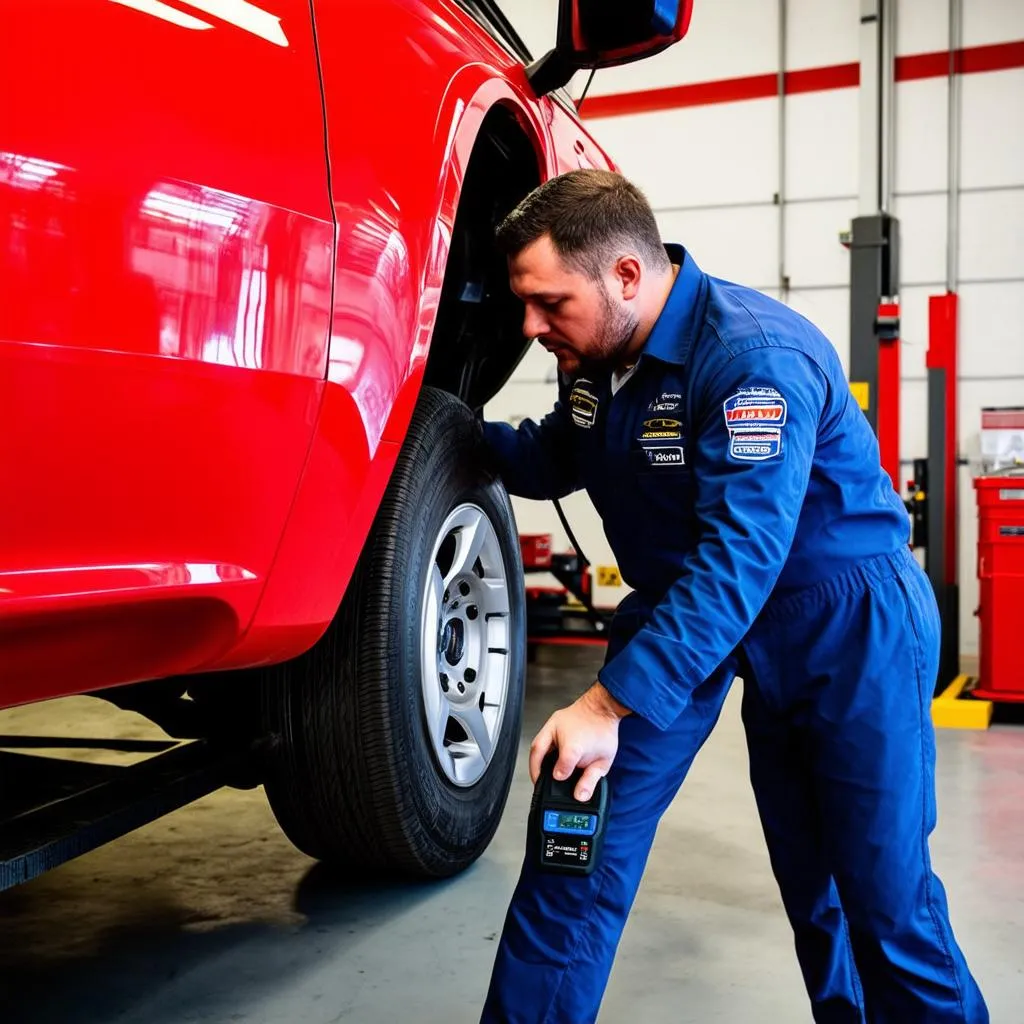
x,y
549,616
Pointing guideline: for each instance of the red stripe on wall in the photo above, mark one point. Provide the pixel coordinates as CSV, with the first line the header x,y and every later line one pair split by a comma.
x,y
998,57
922,65
836,76
700,94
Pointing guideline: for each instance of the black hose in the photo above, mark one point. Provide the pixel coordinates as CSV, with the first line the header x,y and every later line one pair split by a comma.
x,y
597,619
568,532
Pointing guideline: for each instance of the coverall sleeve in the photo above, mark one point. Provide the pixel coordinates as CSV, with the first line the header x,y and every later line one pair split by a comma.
x,y
757,425
536,460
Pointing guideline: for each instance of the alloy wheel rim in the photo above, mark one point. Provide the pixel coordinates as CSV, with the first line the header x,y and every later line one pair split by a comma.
x,y
465,644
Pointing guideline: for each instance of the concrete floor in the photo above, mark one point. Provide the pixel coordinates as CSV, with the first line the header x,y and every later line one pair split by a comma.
x,y
210,915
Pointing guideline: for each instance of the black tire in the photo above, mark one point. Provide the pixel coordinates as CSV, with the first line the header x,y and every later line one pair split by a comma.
x,y
352,775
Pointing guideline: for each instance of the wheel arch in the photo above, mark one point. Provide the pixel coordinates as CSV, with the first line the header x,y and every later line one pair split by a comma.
x,y
474,340
477,339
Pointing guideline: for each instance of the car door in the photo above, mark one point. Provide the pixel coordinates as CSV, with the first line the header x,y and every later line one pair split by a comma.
x,y
166,262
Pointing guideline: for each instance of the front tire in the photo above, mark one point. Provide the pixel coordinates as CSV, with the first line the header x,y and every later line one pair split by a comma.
x,y
395,736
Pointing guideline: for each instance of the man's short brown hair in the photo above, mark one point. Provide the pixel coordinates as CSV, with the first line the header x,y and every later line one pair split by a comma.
x,y
592,217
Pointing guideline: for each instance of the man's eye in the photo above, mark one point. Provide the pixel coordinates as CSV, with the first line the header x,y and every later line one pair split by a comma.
x,y
552,305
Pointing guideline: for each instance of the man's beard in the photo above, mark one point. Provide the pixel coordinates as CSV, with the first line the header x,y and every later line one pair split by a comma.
x,y
618,326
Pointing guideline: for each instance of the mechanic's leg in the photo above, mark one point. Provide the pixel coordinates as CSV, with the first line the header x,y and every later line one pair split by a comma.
x,y
874,665
780,776
561,932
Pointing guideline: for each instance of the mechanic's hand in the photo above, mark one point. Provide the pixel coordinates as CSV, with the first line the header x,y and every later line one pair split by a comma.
x,y
586,735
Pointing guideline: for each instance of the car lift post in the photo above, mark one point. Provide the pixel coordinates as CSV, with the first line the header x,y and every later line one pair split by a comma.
x,y
875,331
874,244
933,491
875,382
941,555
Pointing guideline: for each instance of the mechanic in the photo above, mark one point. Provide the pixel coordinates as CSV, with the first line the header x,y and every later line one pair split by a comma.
x,y
741,491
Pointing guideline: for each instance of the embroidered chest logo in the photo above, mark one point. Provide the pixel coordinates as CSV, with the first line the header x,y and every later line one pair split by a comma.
x,y
654,434
661,426
667,401
583,403
665,454
755,418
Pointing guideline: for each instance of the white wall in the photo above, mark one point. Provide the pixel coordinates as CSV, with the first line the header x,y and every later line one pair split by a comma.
x,y
712,174
990,247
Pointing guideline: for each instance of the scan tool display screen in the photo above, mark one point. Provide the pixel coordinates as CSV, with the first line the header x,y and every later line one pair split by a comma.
x,y
570,822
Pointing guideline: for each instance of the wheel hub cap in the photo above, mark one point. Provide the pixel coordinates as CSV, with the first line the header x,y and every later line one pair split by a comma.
x,y
453,641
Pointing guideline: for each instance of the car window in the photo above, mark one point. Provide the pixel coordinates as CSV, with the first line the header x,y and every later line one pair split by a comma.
x,y
539,25
492,18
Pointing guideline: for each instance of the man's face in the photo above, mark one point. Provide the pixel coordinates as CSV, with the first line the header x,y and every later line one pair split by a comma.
x,y
582,322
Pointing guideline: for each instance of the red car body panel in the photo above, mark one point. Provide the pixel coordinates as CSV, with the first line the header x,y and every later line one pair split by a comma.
x,y
222,246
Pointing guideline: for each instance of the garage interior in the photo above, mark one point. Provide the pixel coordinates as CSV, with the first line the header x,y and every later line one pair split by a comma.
x,y
765,140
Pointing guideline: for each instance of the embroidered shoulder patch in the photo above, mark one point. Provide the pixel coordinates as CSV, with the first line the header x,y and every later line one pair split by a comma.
x,y
755,445
755,407
755,418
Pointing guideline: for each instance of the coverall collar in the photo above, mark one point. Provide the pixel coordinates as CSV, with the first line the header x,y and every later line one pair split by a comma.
x,y
673,331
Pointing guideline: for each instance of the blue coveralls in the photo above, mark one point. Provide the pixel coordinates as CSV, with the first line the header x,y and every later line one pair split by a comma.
x,y
740,489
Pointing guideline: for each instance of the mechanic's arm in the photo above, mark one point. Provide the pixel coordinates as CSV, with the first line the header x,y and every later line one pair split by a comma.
x,y
750,485
536,460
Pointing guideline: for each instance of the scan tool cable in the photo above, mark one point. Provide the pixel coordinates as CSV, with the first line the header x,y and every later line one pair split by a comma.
x,y
596,618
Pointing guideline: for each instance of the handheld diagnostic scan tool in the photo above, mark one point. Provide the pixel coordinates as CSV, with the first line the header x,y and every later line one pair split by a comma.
x,y
565,834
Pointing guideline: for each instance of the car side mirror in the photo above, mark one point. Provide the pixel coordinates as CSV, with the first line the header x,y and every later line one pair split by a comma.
x,y
604,33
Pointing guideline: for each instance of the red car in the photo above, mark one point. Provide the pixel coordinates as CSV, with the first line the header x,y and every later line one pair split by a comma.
x,y
249,305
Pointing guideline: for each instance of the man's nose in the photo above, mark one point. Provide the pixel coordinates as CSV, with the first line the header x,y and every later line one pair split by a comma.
x,y
534,325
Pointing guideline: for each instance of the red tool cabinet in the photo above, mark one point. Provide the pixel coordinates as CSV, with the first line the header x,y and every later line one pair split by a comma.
x,y
1001,579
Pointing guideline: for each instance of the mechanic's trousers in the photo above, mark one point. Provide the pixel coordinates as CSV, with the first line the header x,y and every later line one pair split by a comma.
x,y
838,680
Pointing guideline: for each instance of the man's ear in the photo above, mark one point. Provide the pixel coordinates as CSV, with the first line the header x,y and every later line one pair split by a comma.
x,y
628,271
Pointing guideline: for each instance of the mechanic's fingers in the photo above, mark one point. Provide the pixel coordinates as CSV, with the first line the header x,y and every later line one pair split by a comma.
x,y
588,782
542,743
568,758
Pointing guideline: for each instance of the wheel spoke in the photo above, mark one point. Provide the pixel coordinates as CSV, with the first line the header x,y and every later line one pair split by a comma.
x,y
494,678
441,725
466,762
473,720
495,596
434,701
437,710
470,540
